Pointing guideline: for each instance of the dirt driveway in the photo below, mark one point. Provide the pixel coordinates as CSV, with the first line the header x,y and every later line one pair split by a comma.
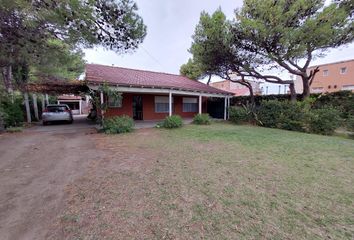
x,y
35,167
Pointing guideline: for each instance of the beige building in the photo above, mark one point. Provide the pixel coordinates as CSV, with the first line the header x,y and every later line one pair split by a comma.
x,y
236,88
332,77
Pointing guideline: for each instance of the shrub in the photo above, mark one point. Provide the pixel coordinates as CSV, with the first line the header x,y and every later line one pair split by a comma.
x,y
350,123
12,112
269,113
239,115
284,115
324,120
173,121
2,120
115,125
293,117
202,119
343,100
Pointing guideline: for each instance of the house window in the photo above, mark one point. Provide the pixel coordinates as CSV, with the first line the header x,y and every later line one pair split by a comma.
x,y
114,101
162,104
325,72
348,87
317,89
343,70
190,104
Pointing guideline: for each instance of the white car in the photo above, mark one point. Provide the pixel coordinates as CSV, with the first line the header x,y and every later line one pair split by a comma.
x,y
57,113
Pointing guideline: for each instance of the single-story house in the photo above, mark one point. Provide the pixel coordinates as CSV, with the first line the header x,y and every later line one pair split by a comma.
x,y
150,95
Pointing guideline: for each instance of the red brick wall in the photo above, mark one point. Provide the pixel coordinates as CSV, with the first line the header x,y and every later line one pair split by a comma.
x,y
149,107
126,109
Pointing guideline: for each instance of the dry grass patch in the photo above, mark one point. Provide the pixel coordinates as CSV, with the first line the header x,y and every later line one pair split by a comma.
x,y
214,182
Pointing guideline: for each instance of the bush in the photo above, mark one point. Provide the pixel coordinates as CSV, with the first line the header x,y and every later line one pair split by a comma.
x,y
173,121
324,120
115,125
239,115
293,117
284,115
2,120
343,100
350,123
12,113
202,119
269,113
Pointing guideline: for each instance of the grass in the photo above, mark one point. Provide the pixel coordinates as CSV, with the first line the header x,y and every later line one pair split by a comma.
x,y
14,129
220,181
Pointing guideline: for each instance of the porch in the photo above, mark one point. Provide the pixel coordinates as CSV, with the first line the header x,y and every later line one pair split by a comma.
x,y
151,95
152,104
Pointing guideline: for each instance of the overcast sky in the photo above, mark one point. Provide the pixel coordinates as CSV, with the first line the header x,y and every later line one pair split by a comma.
x,y
170,25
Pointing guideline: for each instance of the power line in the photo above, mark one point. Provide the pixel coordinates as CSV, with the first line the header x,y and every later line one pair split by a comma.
x,y
152,57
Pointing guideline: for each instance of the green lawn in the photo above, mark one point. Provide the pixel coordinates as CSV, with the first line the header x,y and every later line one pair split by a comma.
x,y
216,182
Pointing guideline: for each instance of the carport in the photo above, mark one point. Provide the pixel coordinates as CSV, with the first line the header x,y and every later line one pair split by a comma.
x,y
44,89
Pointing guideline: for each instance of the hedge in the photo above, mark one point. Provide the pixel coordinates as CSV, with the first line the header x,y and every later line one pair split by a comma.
x,y
343,100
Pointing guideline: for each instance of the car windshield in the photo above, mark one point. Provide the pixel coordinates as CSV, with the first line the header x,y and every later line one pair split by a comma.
x,y
57,108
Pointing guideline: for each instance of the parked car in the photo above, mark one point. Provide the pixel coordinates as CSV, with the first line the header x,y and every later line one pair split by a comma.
x,y
57,113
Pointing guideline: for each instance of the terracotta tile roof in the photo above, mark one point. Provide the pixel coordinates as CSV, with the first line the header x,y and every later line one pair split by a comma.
x,y
139,78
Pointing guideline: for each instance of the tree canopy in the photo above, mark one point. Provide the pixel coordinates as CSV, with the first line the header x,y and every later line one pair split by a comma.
x,y
268,34
217,50
29,29
192,70
291,34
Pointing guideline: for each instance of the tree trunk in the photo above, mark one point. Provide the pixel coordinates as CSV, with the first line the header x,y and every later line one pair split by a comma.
x,y
43,103
28,110
7,78
208,83
35,107
306,87
253,102
292,92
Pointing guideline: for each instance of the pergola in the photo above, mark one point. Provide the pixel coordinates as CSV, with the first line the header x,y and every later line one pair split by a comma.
x,y
50,87
53,87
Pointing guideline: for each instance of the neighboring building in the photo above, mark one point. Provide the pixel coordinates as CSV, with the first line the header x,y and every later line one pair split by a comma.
x,y
76,103
332,77
274,88
236,88
150,95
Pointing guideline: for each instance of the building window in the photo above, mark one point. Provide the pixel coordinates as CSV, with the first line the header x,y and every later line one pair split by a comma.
x,y
348,87
190,104
115,101
162,104
317,89
325,72
343,70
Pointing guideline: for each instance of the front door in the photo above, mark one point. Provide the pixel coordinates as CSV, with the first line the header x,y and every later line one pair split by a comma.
x,y
138,107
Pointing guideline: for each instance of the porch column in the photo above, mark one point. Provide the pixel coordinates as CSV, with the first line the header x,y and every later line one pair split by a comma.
x,y
28,110
170,103
102,102
35,106
200,104
43,103
225,108
80,105
228,107
46,99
